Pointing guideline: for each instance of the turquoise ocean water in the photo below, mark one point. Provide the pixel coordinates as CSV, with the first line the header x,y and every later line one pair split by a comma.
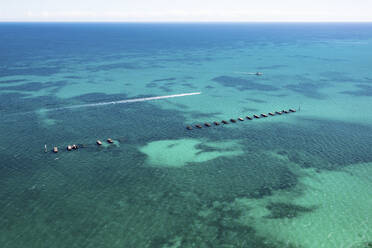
x,y
298,180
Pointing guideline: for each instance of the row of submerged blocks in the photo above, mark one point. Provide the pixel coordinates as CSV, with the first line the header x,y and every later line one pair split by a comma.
x,y
216,123
75,147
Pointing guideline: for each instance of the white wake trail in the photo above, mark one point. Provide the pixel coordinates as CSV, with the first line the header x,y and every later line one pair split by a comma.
x,y
125,101
246,73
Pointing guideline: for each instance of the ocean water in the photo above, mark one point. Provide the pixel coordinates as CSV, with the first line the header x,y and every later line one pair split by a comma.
x,y
299,180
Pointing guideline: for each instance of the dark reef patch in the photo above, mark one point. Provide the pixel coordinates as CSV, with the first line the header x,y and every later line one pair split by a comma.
x,y
190,60
367,80
197,114
306,160
219,228
165,89
317,58
281,210
36,71
12,81
271,67
178,105
163,79
261,192
243,84
72,77
99,97
191,86
242,176
161,84
364,90
36,86
255,100
151,85
279,95
20,102
245,109
310,90
337,143
336,76
113,66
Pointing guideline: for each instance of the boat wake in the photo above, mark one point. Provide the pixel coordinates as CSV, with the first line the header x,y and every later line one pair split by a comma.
x,y
98,104
144,99
249,73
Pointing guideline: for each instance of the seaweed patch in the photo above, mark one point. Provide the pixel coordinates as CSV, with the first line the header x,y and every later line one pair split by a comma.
x,y
107,67
281,210
12,81
36,86
37,71
243,84
310,90
364,90
255,100
271,67
163,79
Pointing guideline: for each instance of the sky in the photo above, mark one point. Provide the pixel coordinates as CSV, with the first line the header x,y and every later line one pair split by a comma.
x,y
186,10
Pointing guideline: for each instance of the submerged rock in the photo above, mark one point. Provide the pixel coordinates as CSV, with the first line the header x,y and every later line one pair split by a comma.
x,y
286,210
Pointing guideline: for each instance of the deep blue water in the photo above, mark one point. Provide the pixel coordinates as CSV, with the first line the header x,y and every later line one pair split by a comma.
x,y
21,41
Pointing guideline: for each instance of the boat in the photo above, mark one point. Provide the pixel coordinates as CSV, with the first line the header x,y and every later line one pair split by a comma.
x,y
240,119
292,110
207,124
216,123
256,116
278,112
224,122
75,147
198,126
99,142
272,114
259,73
263,115
55,149
110,141
69,148
285,111
233,120
249,118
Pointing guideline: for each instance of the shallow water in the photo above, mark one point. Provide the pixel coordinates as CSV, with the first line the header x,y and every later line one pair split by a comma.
x,y
294,180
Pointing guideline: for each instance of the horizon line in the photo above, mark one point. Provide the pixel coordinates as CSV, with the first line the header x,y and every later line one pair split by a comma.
x,y
186,22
